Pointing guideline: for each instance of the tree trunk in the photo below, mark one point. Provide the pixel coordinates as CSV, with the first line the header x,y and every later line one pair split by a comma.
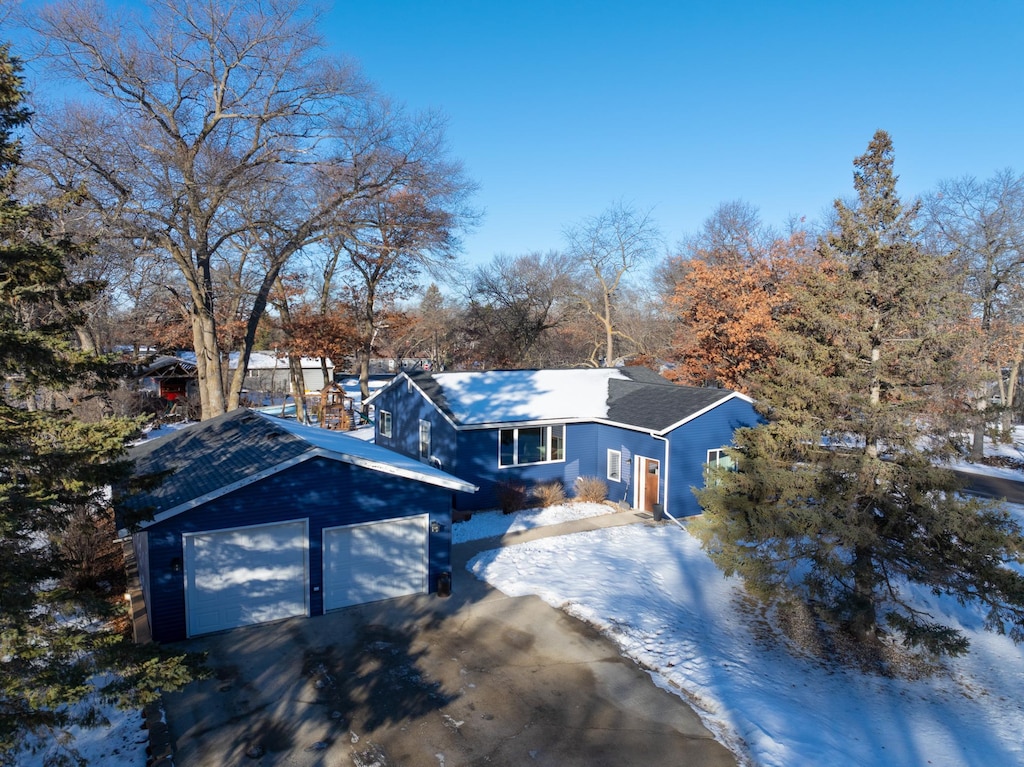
x,y
326,371
978,439
86,339
863,618
364,382
210,368
609,335
298,388
1006,417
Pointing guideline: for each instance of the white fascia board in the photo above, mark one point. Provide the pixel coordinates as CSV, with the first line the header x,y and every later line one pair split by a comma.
x,y
527,423
702,411
220,491
446,481
452,483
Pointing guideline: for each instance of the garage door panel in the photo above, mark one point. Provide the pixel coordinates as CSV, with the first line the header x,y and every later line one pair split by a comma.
x,y
371,562
242,577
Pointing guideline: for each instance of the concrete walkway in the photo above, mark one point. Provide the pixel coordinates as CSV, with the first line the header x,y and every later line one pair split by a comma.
x,y
479,678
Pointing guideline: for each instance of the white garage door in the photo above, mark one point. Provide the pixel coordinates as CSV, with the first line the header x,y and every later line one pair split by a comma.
x,y
246,575
379,560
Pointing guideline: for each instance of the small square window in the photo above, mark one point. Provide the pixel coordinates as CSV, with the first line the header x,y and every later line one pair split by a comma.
x,y
384,423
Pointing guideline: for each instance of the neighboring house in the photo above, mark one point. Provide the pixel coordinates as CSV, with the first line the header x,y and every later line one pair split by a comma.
x,y
261,519
648,438
169,378
268,372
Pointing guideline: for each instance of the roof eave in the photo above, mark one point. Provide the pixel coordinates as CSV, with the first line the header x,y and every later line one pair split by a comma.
x,y
199,500
448,482
702,411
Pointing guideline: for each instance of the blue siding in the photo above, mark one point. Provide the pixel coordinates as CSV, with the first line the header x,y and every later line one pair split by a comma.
x,y
472,454
476,461
690,444
631,444
327,493
408,407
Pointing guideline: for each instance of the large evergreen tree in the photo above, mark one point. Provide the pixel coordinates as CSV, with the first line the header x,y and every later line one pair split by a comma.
x,y
838,499
55,636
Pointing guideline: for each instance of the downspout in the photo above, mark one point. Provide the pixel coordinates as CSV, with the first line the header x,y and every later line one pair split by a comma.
x,y
664,477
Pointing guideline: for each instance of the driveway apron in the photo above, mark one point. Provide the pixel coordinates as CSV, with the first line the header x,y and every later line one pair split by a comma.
x,y
478,678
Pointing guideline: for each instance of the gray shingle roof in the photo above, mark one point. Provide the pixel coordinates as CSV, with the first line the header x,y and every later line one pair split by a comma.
x,y
658,405
203,459
206,456
641,398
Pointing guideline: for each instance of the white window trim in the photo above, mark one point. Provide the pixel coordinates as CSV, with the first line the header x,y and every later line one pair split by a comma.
x,y
716,456
614,460
384,418
515,446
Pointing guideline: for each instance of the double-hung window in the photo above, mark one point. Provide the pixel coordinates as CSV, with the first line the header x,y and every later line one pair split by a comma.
x,y
531,444
384,423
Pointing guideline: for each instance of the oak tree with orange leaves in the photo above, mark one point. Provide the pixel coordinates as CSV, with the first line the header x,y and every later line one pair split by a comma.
x,y
728,297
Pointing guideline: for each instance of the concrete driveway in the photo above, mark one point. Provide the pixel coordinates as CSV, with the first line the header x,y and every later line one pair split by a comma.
x,y
476,679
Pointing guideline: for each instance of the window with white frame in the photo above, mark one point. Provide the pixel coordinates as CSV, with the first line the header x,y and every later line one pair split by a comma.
x,y
424,440
718,457
531,444
614,472
384,423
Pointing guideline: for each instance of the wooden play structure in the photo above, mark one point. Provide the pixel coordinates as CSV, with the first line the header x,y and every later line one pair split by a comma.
x,y
336,410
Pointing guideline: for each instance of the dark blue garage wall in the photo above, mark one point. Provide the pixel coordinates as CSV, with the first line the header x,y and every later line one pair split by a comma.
x,y
328,493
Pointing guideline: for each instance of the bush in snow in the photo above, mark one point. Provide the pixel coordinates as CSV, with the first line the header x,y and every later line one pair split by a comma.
x,y
591,490
512,497
549,493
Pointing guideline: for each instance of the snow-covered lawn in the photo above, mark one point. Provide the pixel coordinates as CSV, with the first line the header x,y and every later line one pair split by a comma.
x,y
655,593
490,524
121,743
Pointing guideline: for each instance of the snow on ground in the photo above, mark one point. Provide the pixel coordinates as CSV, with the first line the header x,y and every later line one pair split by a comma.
x,y
121,743
673,612
491,524
1012,450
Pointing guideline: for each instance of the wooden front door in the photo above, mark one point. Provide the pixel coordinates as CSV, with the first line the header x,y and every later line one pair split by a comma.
x,y
650,481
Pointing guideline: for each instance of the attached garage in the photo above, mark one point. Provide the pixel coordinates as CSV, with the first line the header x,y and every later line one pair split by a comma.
x,y
244,576
262,519
375,561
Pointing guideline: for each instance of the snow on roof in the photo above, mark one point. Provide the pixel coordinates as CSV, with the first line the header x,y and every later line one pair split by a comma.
x,y
503,396
368,455
272,361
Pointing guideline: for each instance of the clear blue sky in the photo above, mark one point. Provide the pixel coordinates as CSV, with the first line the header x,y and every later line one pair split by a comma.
x,y
560,108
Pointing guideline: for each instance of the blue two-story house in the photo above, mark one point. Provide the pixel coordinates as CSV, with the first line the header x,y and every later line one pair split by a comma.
x,y
649,439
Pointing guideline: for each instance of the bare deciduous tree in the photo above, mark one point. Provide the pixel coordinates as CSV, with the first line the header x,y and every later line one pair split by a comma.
x,y
198,112
981,223
512,304
607,248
